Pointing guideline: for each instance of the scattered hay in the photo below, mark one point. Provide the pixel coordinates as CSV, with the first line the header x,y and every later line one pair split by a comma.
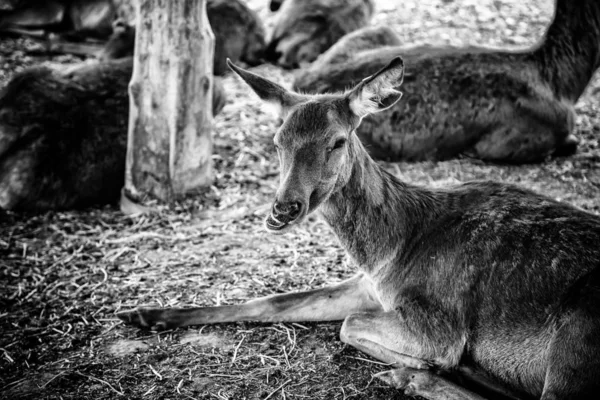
x,y
210,340
122,348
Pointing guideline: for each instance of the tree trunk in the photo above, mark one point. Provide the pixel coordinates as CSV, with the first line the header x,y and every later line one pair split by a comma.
x,y
170,117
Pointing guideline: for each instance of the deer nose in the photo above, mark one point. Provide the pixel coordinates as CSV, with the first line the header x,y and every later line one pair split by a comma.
x,y
286,212
275,5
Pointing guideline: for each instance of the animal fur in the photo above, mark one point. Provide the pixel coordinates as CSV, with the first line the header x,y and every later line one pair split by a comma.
x,y
501,106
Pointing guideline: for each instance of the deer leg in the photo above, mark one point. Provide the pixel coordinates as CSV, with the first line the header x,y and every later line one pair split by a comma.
x,y
426,383
327,304
57,44
573,370
411,338
372,333
529,135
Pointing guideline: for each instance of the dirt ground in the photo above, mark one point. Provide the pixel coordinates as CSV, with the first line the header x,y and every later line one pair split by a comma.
x,y
64,275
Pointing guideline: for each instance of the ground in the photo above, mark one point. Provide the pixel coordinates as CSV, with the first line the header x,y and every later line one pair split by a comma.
x,y
64,275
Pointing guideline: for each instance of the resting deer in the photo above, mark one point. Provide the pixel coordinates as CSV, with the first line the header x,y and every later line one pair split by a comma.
x,y
345,50
494,282
501,106
239,35
306,28
62,26
63,136
72,18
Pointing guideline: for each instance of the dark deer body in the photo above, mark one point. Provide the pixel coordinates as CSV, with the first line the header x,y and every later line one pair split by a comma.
x,y
306,28
505,106
63,136
239,35
487,281
80,18
65,26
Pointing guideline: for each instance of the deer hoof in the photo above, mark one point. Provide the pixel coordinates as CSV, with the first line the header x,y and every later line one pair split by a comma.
x,y
153,319
402,378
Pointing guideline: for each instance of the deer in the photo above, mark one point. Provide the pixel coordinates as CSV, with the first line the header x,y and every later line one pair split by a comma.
x,y
347,48
60,26
239,31
303,29
480,287
81,18
63,135
120,44
239,35
500,106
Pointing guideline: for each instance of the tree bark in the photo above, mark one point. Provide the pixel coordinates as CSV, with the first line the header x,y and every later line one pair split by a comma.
x,y
170,118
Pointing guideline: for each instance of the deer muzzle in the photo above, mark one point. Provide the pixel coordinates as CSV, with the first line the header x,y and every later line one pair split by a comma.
x,y
284,213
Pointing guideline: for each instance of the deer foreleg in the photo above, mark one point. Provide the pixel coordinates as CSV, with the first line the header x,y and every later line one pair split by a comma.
x,y
411,338
327,304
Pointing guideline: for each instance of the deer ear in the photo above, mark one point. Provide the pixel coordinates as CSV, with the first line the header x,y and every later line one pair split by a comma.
x,y
379,91
272,93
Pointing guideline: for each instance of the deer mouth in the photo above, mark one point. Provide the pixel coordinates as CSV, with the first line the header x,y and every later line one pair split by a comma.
x,y
278,223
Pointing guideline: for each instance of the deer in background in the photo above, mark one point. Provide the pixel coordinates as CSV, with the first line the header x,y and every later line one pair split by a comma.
x,y
121,42
500,106
62,26
239,35
239,31
71,18
483,283
306,28
350,46
63,136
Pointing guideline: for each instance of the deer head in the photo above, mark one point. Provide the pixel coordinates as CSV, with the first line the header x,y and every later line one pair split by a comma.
x,y
316,143
303,29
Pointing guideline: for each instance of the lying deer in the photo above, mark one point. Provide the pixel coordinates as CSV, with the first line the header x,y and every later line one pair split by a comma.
x,y
61,26
63,136
239,35
76,18
501,106
120,44
488,281
306,28
345,50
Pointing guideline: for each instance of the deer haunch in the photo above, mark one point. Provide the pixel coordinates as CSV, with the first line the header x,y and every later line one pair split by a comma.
x,y
503,106
63,136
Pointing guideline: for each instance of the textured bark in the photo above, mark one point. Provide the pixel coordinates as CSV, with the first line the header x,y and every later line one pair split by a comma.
x,y
169,143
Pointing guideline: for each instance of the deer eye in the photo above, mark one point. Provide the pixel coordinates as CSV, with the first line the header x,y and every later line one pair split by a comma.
x,y
337,145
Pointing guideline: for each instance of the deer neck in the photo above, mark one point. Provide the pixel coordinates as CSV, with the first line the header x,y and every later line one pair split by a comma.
x,y
374,214
568,54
